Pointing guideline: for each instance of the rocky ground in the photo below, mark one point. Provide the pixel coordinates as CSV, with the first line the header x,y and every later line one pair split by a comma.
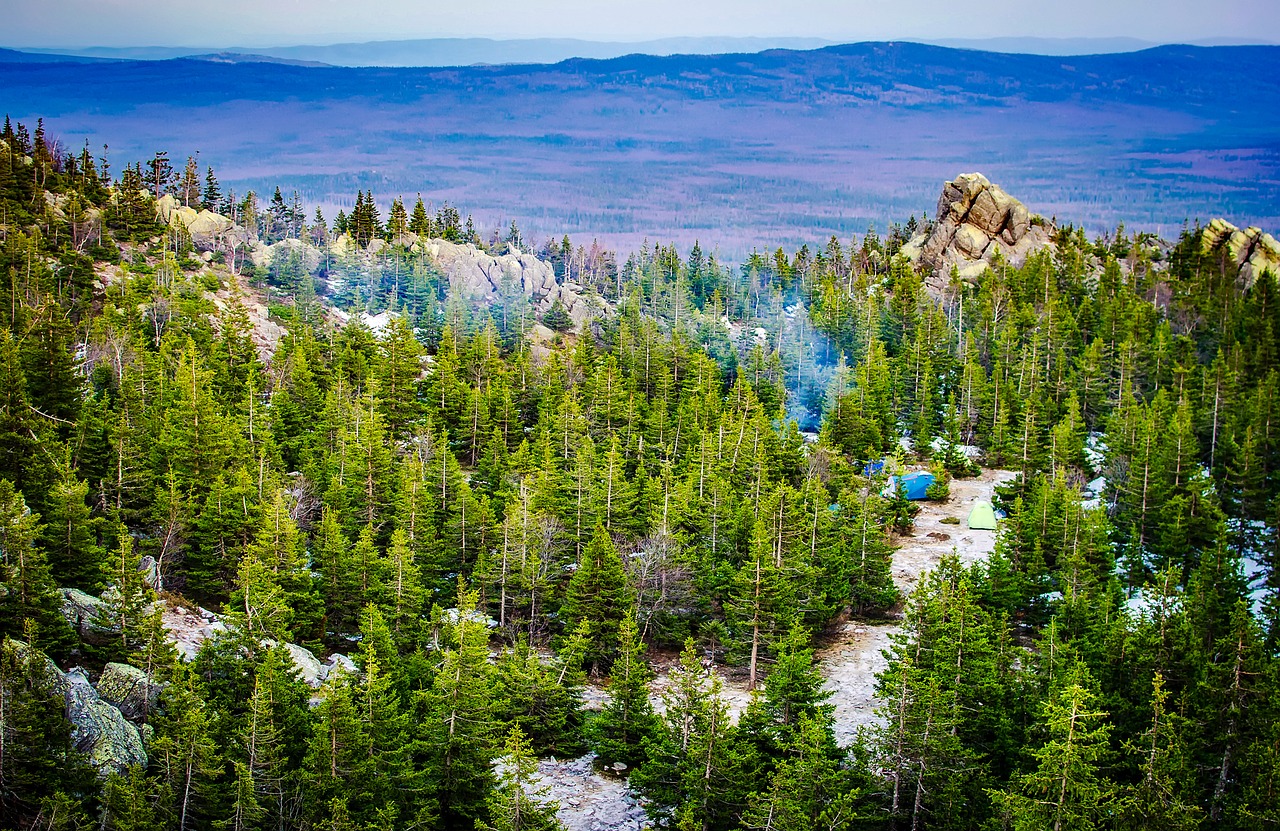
x,y
590,801
850,663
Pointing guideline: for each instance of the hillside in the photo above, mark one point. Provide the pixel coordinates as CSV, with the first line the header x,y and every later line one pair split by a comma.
x,y
736,151
376,525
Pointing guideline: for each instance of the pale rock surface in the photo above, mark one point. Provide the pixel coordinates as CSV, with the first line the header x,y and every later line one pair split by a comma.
x,y
339,663
481,278
264,255
975,220
1252,251
309,668
187,629
588,800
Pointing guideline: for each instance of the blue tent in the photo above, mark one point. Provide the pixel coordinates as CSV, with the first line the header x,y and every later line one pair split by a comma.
x,y
914,484
872,468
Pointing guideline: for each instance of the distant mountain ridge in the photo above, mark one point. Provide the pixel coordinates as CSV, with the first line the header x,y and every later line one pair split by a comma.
x,y
461,51
472,51
736,150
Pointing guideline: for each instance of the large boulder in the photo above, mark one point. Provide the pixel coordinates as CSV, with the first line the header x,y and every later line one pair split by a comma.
x,y
84,612
975,220
1252,251
130,689
207,230
309,668
98,729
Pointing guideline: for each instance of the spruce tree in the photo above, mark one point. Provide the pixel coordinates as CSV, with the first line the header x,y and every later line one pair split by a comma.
x,y
627,720
600,594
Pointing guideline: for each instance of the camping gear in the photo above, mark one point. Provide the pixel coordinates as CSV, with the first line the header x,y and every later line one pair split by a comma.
x,y
983,516
872,468
915,485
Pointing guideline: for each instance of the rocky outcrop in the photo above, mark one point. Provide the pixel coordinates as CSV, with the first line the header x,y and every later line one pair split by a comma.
x,y
1252,251
189,629
975,220
130,689
482,278
308,255
98,729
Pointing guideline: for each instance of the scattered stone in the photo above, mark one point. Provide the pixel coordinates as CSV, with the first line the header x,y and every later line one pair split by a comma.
x,y
187,629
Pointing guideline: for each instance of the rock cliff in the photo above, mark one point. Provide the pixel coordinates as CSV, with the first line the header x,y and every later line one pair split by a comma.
x,y
975,220
1252,251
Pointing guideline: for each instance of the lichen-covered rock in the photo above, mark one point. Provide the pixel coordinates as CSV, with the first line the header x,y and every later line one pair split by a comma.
x,y
1252,251
130,689
83,611
150,572
98,729
975,220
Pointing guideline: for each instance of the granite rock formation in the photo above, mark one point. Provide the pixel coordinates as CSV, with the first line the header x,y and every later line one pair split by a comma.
x,y
975,220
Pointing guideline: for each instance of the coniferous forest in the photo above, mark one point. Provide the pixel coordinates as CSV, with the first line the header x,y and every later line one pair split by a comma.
x,y
426,553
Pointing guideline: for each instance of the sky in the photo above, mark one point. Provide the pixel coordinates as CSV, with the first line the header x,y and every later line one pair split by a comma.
x,y
82,23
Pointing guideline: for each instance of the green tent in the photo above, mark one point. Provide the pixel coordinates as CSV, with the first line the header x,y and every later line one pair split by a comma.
x,y
982,517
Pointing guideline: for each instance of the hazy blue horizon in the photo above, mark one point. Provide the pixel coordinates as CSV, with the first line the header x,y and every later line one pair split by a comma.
x,y
251,23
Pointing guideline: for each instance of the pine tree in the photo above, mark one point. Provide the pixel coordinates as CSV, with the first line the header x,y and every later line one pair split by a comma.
x,y
403,596
1066,790
211,197
517,803
600,594
459,727
39,761
30,604
1157,801
627,721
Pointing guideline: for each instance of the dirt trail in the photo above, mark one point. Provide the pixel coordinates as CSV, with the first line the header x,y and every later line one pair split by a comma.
x,y
591,801
851,663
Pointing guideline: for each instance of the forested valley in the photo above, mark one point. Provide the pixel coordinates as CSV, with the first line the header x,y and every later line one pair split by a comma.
x,y
489,522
